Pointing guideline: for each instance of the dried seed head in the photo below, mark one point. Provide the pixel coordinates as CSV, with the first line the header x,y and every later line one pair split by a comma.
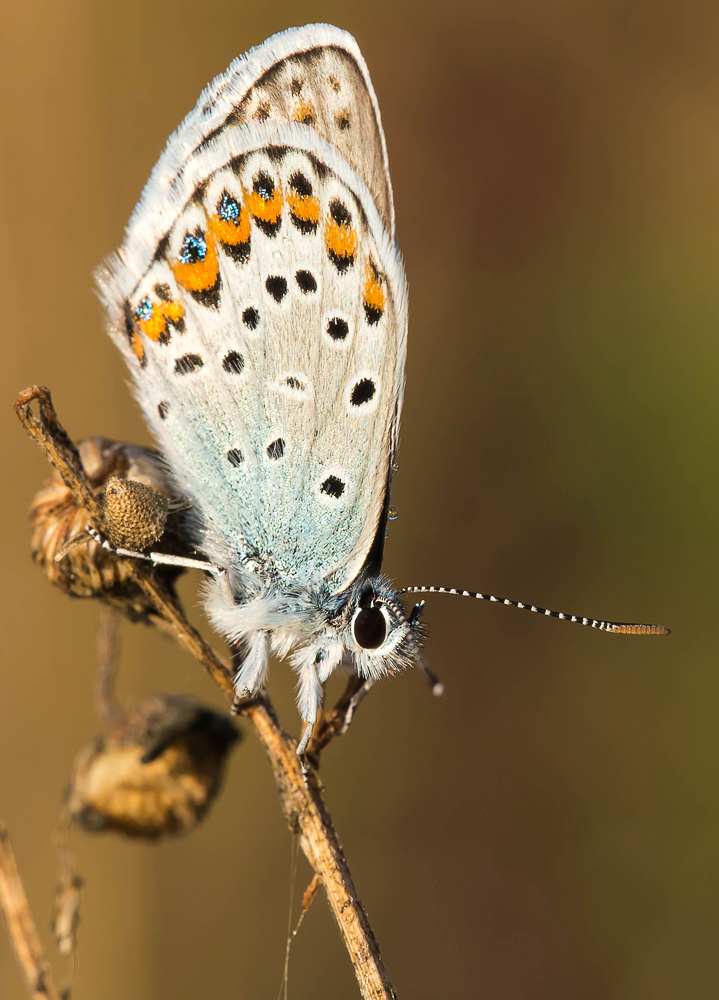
x,y
156,772
88,570
136,514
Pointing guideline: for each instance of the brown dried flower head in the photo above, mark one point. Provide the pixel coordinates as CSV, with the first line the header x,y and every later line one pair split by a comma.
x,y
156,772
136,513
136,496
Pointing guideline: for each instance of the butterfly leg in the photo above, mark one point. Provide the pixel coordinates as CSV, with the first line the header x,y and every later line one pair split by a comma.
x,y
354,702
310,698
156,558
252,672
304,743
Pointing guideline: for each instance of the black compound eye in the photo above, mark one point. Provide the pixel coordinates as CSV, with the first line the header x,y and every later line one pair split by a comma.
x,y
369,628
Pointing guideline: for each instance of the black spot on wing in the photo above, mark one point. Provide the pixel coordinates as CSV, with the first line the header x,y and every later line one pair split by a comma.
x,y
343,257
372,314
337,328
362,392
373,298
229,210
320,168
194,247
306,281
209,297
276,449
237,163
251,318
305,215
300,184
161,249
188,363
340,213
264,186
198,195
276,285
333,487
233,363
239,252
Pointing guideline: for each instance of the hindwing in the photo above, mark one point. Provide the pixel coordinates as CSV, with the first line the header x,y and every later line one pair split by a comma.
x,y
263,313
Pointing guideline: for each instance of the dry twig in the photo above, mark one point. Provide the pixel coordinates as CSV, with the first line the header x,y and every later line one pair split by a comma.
x,y
302,801
21,926
107,657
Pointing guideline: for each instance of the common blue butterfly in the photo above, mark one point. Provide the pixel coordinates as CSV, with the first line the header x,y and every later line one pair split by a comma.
x,y
261,304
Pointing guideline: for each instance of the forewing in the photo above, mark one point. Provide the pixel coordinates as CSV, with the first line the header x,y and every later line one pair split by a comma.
x,y
315,76
266,332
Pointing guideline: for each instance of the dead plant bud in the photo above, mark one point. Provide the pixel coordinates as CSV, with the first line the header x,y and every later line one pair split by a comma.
x,y
134,490
136,514
156,772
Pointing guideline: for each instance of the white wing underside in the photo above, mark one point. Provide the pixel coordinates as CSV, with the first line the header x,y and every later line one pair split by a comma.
x,y
286,469
277,409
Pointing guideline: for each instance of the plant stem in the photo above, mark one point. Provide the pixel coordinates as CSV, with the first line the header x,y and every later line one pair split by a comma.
x,y
302,797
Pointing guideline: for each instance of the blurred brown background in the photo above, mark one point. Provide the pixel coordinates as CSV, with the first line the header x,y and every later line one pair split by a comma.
x,y
551,828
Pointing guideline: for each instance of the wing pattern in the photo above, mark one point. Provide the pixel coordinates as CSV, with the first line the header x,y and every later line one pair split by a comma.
x,y
266,330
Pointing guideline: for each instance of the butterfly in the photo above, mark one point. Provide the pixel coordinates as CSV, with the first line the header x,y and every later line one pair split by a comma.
x,y
260,302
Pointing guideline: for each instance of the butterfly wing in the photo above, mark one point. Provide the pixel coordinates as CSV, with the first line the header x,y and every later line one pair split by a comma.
x,y
314,75
266,330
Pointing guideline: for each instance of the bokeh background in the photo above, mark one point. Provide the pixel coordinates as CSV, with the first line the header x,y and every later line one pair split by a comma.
x,y
551,828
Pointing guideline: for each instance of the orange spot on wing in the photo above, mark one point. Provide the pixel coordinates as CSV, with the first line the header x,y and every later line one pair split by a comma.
x,y
230,232
304,113
155,328
306,209
136,345
152,318
340,240
173,311
374,298
202,274
265,211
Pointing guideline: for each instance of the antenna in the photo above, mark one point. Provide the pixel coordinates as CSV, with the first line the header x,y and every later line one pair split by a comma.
x,y
621,628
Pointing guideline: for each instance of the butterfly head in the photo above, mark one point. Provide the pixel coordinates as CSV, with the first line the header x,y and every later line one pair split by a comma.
x,y
381,637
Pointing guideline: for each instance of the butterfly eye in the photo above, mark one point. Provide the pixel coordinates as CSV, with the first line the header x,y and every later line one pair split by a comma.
x,y
369,627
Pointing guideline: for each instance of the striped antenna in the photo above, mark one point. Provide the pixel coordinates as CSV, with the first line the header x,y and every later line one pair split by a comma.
x,y
621,628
